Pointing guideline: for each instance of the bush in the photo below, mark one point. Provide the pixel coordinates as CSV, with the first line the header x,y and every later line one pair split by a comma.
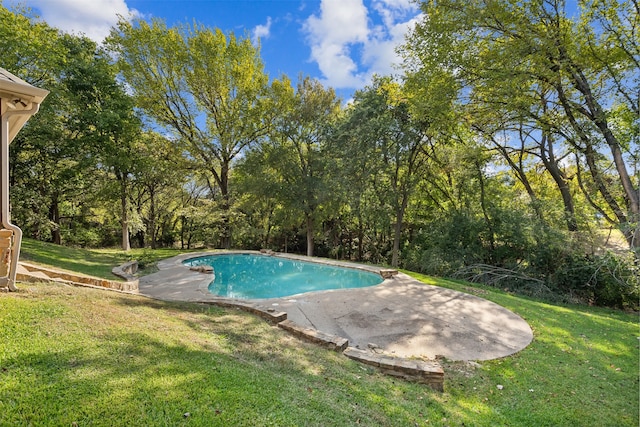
x,y
527,257
145,259
443,246
611,280
82,237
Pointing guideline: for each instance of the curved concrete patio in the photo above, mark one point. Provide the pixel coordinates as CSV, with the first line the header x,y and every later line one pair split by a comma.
x,y
401,316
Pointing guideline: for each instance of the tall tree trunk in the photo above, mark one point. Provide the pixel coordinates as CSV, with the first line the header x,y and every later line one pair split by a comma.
x,y
599,118
54,217
518,168
485,214
595,114
225,232
309,221
126,245
551,164
183,221
360,237
397,230
152,218
522,177
268,226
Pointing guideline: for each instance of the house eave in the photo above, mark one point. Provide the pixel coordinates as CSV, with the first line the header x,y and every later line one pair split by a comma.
x,y
16,97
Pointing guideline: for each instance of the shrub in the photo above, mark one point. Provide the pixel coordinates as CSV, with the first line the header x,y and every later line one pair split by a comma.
x,y
445,245
527,256
607,280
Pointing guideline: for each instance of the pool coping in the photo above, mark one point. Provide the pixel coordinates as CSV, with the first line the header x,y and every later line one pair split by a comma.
x,y
430,373
177,282
178,262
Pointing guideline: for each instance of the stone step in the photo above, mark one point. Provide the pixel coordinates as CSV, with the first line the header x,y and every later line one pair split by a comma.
x,y
426,372
22,269
329,341
38,275
36,272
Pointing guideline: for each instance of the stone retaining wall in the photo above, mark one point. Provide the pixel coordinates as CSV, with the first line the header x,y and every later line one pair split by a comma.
x,y
72,278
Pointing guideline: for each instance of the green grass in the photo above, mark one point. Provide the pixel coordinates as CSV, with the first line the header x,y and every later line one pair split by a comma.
x,y
582,368
92,357
93,262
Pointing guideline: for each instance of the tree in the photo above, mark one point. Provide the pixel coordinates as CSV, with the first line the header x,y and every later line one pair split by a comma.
x,y
295,152
159,174
504,54
206,87
42,168
383,137
104,118
525,147
87,121
30,47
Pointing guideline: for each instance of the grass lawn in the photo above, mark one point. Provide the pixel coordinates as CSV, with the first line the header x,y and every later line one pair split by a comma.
x,y
93,262
93,357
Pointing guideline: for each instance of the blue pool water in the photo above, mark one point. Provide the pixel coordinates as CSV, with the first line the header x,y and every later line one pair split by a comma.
x,y
248,276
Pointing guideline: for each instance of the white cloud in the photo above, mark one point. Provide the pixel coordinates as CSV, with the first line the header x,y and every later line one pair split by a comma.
x,y
341,24
93,18
261,31
350,41
398,4
340,21
379,53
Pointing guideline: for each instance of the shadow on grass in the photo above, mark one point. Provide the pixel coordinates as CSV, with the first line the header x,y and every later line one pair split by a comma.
x,y
150,363
96,358
582,368
84,261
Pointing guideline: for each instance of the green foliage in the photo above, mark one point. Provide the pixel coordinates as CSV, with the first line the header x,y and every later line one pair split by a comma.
x,y
525,71
446,245
501,153
548,90
83,129
292,169
610,279
30,47
385,149
205,87
527,258
85,237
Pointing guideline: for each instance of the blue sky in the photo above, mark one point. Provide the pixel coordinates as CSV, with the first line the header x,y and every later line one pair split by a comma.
x,y
340,42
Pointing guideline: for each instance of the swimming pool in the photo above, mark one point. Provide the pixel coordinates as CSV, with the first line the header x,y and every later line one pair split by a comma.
x,y
248,276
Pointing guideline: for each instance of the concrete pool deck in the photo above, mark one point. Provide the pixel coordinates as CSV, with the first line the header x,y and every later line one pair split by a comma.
x,y
400,317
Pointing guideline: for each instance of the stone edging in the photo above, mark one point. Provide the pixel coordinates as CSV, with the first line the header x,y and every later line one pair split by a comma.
x,y
177,261
332,342
430,373
39,273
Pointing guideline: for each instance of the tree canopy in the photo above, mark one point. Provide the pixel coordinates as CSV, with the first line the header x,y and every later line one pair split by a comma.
x,y
506,150
546,81
206,87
